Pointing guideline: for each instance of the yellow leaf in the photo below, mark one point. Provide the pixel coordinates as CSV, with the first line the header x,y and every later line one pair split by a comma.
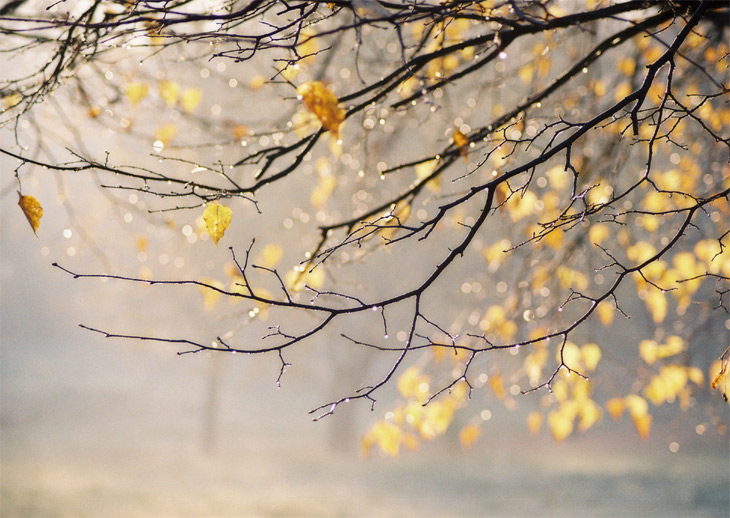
x,y
423,170
32,209
718,373
561,424
588,413
591,355
298,280
320,100
695,375
190,99
616,407
217,219
270,256
166,133
637,405
387,436
169,91
412,384
656,302
497,385
468,436
136,92
534,422
462,142
570,356
598,233
643,425
605,312
437,418
210,296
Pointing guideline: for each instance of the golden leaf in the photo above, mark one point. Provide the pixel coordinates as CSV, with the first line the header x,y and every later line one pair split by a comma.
x,y
605,311
411,383
637,405
616,407
591,355
534,422
462,142
297,280
210,296
643,425
561,424
320,100
497,385
166,133
32,209
588,413
136,92
190,99
468,436
217,219
270,256
169,91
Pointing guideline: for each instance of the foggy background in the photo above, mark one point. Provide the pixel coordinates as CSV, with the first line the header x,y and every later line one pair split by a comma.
x,y
104,427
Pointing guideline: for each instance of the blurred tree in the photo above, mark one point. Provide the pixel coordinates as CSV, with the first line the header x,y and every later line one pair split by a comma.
x,y
449,179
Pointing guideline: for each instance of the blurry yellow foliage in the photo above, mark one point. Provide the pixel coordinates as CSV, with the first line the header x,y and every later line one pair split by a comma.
x,y
496,383
606,311
270,255
469,435
166,133
495,321
423,170
650,351
298,280
413,384
534,422
616,407
190,99
169,91
136,92
210,296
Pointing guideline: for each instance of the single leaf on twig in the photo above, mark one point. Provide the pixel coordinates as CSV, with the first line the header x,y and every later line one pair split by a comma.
x,y
217,219
32,209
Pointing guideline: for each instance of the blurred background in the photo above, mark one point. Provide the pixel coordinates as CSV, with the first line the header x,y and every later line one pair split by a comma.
x,y
106,427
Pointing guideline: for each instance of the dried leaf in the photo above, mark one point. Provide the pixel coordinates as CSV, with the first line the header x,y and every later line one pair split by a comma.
x,y
217,219
32,209
320,100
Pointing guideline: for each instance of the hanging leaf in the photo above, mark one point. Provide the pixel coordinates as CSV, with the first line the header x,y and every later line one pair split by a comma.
x,y
320,100
32,209
217,219
462,142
